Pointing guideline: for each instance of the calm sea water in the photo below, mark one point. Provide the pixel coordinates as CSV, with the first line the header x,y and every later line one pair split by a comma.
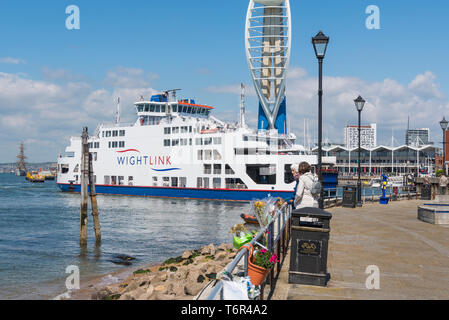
x,y
39,234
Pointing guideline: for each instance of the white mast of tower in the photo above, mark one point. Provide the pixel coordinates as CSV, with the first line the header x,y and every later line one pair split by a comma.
x,y
267,44
242,105
117,115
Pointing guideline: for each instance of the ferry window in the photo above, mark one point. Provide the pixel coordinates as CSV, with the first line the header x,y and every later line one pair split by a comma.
x,y
163,108
165,181
217,155
114,144
217,183
183,142
228,170
199,182
64,168
147,107
184,129
217,140
190,141
113,180
108,133
167,143
109,144
94,156
206,183
207,169
130,180
155,181
76,168
185,109
207,112
122,133
217,168
167,130
207,141
199,141
288,177
189,110
190,128
183,182
174,181
175,142
107,180
158,108
121,144
102,134
90,145
200,154
203,111
207,154
258,173
76,178
139,108
152,107
121,180
115,133
175,108
175,130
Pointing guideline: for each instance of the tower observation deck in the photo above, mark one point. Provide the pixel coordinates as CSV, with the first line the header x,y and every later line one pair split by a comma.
x,y
267,44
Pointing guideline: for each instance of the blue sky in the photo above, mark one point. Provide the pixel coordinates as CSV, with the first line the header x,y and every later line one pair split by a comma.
x,y
53,81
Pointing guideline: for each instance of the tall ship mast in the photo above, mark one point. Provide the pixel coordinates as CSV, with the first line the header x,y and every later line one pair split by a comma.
x,y
21,167
177,148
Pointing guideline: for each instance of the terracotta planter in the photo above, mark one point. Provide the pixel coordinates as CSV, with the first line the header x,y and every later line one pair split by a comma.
x,y
257,274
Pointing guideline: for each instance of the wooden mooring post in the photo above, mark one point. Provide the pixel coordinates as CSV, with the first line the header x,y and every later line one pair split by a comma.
x,y
87,180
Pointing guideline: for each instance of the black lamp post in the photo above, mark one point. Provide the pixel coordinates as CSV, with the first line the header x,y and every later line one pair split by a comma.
x,y
443,124
320,42
359,104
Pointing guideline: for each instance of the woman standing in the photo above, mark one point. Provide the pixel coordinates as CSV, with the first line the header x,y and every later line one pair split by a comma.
x,y
304,197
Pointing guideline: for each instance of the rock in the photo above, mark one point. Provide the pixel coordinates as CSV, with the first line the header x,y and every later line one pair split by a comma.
x,y
193,288
187,254
137,293
178,289
131,287
221,256
161,289
147,295
100,295
163,296
208,250
163,277
222,247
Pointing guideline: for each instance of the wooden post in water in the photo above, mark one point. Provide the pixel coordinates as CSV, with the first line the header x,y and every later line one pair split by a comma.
x,y
93,201
84,186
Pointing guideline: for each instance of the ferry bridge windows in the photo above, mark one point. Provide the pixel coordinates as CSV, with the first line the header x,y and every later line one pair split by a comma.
x,y
115,133
217,183
207,168
122,133
217,140
121,144
167,143
121,180
175,130
130,180
140,108
175,108
217,168
190,141
235,183
152,107
184,129
147,108
158,108
190,129
107,180
175,142
228,170
163,108
261,174
167,130
108,134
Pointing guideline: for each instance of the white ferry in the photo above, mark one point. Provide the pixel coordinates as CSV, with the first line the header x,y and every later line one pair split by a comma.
x,y
178,149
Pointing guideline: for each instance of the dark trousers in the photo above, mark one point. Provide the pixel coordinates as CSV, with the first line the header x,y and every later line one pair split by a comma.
x,y
443,190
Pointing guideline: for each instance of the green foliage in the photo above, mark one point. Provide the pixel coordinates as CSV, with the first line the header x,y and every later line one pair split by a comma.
x,y
265,259
439,173
141,271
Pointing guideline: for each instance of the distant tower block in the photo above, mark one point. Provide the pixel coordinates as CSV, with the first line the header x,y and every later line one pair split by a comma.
x,y
268,42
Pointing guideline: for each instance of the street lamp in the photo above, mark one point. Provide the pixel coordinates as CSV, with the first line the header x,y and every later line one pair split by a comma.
x,y
320,42
443,124
359,104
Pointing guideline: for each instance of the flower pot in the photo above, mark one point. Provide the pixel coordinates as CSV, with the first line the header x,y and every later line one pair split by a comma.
x,y
257,274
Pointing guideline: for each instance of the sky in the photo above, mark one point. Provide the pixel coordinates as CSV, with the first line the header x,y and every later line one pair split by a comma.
x,y
54,81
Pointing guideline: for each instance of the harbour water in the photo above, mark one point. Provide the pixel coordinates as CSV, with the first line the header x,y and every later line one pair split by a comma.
x,y
39,234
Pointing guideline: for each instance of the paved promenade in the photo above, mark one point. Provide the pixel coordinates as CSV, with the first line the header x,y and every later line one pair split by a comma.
x,y
413,256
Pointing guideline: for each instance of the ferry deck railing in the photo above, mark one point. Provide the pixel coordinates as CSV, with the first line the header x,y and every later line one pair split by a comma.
x,y
278,232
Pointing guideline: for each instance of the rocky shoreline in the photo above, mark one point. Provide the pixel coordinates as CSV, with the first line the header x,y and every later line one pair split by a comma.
x,y
180,278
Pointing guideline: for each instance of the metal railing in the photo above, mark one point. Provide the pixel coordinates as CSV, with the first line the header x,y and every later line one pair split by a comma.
x,y
278,240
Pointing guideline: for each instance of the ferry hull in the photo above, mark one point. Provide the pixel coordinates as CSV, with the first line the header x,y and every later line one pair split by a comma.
x,y
183,193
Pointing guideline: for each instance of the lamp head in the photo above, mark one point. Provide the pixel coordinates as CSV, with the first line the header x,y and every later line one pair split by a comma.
x,y
320,42
359,103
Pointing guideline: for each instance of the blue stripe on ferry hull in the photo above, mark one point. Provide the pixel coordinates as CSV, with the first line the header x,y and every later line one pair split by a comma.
x,y
207,194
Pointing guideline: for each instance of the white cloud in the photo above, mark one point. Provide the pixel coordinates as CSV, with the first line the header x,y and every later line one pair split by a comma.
x,y
121,77
11,60
232,89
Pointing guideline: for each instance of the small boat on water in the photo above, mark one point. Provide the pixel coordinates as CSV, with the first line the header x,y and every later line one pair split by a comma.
x,y
249,219
35,177
48,175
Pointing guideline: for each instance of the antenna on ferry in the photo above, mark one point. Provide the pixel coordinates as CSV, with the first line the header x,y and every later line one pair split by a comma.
x,y
173,92
117,115
242,105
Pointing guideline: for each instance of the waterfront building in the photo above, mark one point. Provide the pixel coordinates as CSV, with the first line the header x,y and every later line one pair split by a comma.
x,y
417,137
383,159
368,136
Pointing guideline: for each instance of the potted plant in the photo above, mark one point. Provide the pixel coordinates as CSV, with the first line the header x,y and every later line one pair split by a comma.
x,y
259,264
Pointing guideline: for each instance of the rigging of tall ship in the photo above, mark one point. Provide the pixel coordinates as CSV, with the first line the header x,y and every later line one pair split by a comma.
x,y
178,149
